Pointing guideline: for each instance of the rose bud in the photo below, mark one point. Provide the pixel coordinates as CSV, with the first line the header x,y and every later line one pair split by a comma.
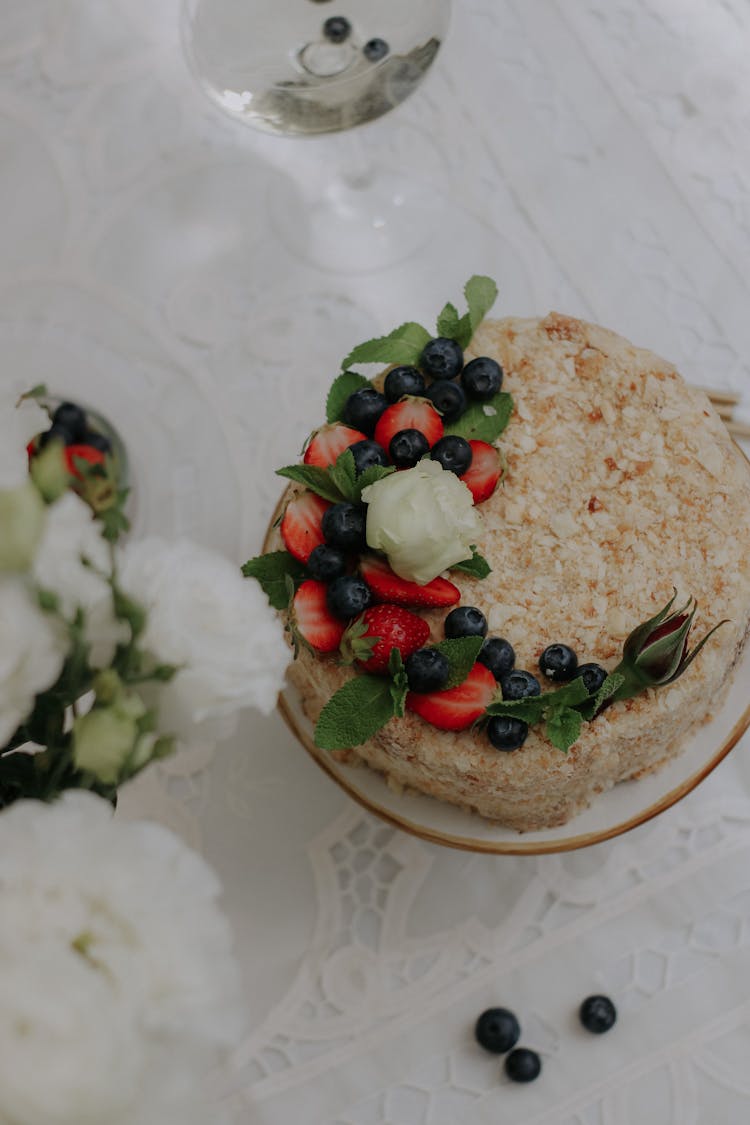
x,y
656,652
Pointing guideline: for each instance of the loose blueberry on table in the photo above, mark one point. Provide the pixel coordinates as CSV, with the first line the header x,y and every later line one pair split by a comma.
x,y
497,1030
597,1014
523,1065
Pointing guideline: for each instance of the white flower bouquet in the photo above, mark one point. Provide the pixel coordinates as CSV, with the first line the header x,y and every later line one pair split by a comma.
x,y
120,994
110,655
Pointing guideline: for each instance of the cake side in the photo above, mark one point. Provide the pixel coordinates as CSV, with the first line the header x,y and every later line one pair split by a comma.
x,y
622,484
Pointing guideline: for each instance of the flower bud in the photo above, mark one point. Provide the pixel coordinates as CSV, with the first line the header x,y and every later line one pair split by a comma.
x,y
103,741
22,515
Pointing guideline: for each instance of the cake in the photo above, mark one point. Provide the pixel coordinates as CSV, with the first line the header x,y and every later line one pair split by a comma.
x,y
621,487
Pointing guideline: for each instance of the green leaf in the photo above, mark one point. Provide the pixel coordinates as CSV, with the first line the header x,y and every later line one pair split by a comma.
x,y
481,294
611,685
315,478
355,713
272,571
343,385
344,475
372,474
448,321
128,610
568,695
477,566
48,600
461,654
404,345
399,682
529,710
484,421
563,727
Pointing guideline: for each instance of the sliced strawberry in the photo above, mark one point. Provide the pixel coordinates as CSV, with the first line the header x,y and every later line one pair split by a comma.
x,y
301,526
84,453
312,618
370,638
388,587
458,707
329,442
409,414
484,472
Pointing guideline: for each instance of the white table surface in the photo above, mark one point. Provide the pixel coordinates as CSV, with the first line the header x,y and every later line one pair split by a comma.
x,y
596,154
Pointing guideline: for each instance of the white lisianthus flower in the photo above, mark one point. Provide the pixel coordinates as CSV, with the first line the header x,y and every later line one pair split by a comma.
x,y
215,625
19,423
423,518
70,533
118,985
32,651
22,515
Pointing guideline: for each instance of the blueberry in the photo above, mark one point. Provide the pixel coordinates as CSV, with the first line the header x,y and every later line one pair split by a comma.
x,y
482,378
375,49
348,596
402,381
558,662
523,1065
407,447
452,452
367,453
343,526
465,621
72,418
326,563
447,398
56,432
506,733
597,1014
97,441
497,1030
498,655
363,408
519,684
593,676
442,358
427,670
337,29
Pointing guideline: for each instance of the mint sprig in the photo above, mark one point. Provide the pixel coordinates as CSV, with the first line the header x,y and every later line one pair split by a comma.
x,y
404,344
613,683
315,478
483,421
356,712
274,572
476,566
558,710
461,654
339,481
480,293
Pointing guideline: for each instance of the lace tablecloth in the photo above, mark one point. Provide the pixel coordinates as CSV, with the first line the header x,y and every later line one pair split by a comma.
x,y
596,154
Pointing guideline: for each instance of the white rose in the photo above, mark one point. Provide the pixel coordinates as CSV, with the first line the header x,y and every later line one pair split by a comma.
x,y
213,623
22,514
118,987
423,518
70,533
32,651
18,425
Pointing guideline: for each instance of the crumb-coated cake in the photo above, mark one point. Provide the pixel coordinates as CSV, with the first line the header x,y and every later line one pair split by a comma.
x,y
619,486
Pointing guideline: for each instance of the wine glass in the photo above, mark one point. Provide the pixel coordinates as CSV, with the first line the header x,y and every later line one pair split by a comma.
x,y
301,68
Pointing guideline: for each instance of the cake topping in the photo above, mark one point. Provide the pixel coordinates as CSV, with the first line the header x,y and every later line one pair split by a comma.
x,y
448,399
442,358
507,734
454,454
371,637
423,519
402,381
465,621
558,662
482,378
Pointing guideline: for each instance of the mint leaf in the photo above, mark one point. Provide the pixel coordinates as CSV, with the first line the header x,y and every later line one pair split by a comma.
x,y
272,571
480,293
315,478
355,713
404,345
448,321
477,566
343,474
529,710
399,682
611,685
461,654
563,727
343,386
484,421
569,695
369,476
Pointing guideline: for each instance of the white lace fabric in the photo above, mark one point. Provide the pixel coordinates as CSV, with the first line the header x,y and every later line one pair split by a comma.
x,y
598,158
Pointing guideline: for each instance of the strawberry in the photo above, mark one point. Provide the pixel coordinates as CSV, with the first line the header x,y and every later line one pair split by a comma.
x,y
329,442
84,453
370,638
409,414
301,525
484,472
456,708
388,587
313,620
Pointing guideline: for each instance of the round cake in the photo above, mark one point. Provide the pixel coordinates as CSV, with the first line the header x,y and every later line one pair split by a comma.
x,y
621,486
